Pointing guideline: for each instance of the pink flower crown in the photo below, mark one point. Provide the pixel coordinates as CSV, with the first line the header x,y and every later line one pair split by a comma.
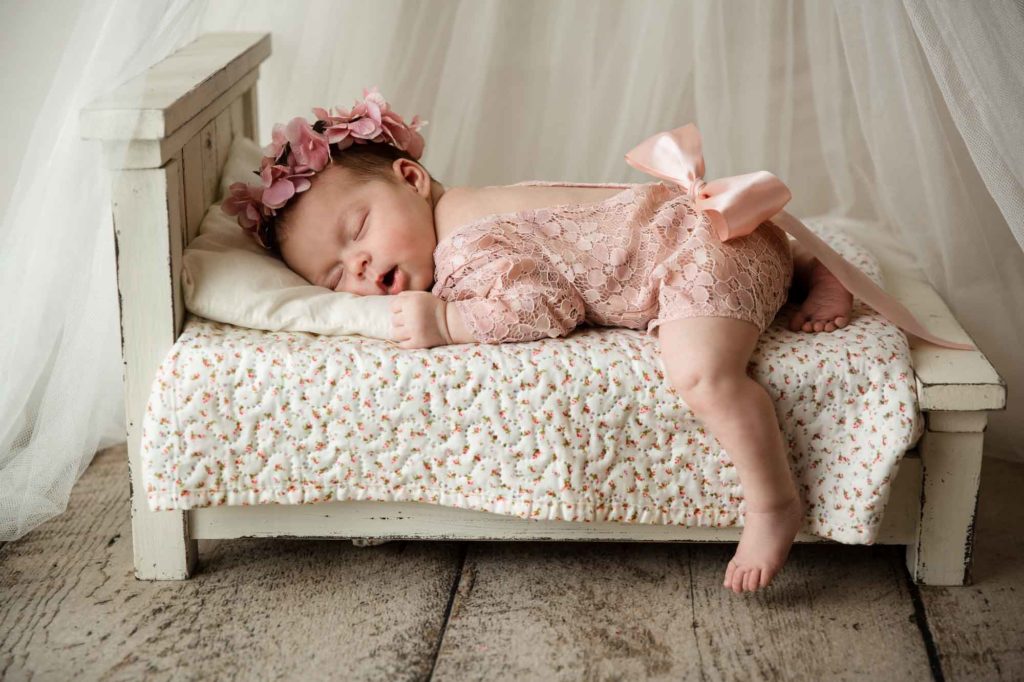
x,y
300,149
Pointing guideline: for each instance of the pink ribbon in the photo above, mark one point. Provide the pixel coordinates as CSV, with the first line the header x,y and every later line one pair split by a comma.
x,y
738,204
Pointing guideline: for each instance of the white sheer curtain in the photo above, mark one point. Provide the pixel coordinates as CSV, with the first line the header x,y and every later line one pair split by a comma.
x,y
902,122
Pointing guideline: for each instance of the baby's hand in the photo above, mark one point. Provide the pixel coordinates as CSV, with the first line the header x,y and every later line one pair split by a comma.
x,y
418,320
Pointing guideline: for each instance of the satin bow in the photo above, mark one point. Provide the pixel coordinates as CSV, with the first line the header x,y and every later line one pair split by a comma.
x,y
736,205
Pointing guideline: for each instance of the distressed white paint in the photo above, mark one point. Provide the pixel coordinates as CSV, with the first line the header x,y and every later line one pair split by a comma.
x,y
148,217
160,100
206,95
956,422
947,379
951,468
152,153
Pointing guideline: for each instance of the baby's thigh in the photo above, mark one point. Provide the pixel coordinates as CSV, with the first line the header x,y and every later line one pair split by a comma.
x,y
703,351
746,278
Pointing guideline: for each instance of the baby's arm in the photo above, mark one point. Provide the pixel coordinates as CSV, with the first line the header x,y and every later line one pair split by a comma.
x,y
513,298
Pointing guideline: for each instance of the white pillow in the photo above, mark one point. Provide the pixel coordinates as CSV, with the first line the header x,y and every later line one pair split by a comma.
x,y
228,277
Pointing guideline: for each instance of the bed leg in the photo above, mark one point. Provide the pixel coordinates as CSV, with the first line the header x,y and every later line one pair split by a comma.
x,y
149,215
951,452
160,540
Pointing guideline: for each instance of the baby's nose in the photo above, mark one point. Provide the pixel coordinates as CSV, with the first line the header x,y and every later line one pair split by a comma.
x,y
365,277
360,266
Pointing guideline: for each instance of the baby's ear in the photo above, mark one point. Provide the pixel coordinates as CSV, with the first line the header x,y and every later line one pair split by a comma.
x,y
411,173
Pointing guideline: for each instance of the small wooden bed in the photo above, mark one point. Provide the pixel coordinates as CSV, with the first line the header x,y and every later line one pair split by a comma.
x,y
166,148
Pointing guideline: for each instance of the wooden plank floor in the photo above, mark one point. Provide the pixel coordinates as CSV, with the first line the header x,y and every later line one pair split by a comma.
x,y
70,607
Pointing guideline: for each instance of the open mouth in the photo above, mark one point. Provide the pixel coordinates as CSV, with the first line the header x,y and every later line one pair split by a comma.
x,y
389,279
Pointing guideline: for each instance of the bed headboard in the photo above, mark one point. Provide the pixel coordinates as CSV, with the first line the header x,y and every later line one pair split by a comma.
x,y
165,136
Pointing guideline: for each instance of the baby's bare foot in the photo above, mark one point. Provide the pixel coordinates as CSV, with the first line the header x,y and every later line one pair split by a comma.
x,y
764,545
827,306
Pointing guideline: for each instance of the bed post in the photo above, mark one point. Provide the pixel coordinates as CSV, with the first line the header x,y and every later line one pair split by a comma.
x,y
166,135
148,214
951,472
955,389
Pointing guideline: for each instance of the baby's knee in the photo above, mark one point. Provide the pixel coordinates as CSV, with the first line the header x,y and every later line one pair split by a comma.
x,y
702,384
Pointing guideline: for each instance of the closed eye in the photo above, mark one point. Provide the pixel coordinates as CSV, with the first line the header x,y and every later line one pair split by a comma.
x,y
359,234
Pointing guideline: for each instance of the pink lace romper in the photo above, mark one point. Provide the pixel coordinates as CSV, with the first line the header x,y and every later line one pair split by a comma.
x,y
635,259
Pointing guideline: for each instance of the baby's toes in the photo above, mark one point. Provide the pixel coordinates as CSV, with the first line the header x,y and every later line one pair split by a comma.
x,y
830,327
841,321
819,326
737,580
750,583
729,570
797,321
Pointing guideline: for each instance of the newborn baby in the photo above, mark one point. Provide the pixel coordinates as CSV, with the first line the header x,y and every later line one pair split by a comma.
x,y
370,225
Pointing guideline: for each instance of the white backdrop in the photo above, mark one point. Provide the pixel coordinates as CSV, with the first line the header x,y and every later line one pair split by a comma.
x,y
901,120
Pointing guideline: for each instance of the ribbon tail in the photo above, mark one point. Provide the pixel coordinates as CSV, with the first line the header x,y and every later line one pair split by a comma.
x,y
859,284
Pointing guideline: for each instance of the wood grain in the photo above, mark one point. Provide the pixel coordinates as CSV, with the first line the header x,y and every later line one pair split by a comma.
x,y
832,613
547,611
313,609
622,611
256,609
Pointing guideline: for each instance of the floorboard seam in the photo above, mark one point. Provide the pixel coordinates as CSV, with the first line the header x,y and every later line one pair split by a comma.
x,y
693,610
448,610
921,617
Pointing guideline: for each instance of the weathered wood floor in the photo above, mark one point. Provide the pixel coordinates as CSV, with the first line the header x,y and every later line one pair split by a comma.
x,y
71,609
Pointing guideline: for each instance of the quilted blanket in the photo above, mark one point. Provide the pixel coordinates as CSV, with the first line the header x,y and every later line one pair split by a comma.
x,y
581,428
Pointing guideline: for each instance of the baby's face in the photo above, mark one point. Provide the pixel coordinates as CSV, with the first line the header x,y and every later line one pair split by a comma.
x,y
366,237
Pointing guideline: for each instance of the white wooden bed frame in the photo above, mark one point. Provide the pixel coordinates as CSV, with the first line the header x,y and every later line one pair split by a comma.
x,y
178,133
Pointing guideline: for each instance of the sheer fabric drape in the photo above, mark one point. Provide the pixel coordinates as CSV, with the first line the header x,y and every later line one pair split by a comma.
x,y
902,122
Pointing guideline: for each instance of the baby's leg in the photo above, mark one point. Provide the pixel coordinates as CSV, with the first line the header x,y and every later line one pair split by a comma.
x,y
706,360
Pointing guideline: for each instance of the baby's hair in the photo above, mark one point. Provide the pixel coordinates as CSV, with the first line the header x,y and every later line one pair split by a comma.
x,y
365,162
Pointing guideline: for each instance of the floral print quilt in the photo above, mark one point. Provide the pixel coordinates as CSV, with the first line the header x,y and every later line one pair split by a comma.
x,y
582,428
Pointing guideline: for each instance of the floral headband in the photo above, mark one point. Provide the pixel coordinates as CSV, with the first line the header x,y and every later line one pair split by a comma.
x,y
300,149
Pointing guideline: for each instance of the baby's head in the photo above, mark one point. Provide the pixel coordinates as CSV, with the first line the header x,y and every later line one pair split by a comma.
x,y
370,211
344,202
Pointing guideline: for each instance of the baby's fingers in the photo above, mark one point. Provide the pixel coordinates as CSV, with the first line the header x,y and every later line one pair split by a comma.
x,y
398,330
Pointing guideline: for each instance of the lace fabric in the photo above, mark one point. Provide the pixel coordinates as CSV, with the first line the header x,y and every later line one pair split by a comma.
x,y
636,259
